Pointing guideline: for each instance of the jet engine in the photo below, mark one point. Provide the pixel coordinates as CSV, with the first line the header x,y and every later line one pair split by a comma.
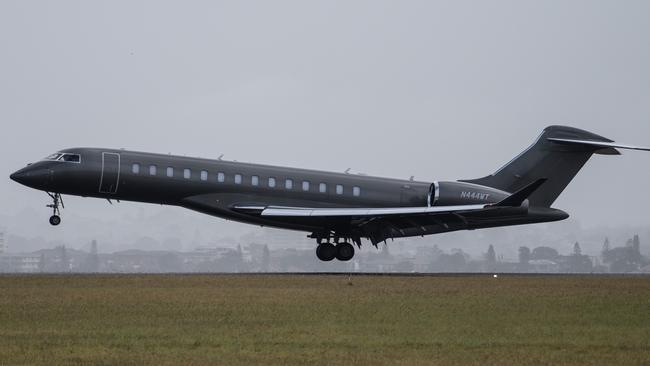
x,y
459,193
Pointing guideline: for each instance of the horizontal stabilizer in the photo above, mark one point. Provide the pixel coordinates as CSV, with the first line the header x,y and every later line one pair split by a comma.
x,y
517,198
601,144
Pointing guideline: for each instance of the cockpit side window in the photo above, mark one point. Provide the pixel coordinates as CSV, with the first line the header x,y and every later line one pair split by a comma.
x,y
71,158
54,156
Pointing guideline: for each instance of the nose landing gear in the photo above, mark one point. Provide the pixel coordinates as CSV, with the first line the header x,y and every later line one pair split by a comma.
x,y
55,219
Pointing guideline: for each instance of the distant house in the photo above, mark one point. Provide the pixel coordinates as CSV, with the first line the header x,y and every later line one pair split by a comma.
x,y
139,261
205,255
377,262
20,263
645,269
543,265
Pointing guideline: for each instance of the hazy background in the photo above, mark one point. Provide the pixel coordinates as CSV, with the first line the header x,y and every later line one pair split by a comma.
x,y
439,90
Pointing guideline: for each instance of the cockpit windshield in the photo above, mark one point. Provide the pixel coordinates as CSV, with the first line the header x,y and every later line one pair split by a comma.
x,y
67,157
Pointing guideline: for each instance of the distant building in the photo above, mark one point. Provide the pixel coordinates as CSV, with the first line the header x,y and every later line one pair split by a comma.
x,y
378,262
543,265
254,252
2,242
20,263
206,259
645,269
276,238
202,254
140,261
91,262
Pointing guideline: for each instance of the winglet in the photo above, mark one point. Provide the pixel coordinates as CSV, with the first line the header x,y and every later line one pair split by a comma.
x,y
517,198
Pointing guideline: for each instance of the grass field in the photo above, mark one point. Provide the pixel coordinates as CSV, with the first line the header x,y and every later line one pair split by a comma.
x,y
297,320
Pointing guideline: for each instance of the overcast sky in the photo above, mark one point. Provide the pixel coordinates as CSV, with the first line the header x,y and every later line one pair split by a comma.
x,y
439,90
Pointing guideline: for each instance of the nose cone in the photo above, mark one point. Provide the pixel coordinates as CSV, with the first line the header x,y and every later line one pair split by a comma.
x,y
18,176
32,177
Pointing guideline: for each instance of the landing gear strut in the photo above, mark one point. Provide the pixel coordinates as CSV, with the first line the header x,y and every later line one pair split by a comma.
x,y
341,251
55,219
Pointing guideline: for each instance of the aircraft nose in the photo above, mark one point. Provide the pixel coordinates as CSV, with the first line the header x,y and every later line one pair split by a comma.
x,y
18,176
32,177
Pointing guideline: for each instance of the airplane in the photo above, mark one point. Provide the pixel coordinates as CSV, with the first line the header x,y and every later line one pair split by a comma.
x,y
336,209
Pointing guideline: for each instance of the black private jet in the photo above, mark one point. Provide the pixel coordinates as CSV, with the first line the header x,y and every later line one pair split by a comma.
x,y
336,209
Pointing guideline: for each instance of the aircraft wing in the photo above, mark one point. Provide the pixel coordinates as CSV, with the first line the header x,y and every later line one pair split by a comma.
x,y
359,212
380,223
281,211
514,200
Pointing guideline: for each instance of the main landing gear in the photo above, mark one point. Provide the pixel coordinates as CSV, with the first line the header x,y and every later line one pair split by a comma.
x,y
55,219
341,251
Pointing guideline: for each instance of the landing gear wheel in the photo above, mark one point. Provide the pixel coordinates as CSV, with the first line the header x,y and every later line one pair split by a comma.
x,y
326,252
55,220
57,201
344,252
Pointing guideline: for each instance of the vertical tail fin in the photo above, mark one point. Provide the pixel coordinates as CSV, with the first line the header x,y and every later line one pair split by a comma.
x,y
556,161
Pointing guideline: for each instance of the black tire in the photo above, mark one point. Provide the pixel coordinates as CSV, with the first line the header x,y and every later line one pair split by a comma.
x,y
344,252
55,220
326,252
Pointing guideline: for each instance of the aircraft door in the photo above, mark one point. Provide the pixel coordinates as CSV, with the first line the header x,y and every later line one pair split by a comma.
x,y
110,175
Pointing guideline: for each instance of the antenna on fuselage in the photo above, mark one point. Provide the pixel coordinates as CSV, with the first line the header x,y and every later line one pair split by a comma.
x,y
220,156
412,177
347,171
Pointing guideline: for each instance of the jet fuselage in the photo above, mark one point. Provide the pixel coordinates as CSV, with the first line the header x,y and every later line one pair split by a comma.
x,y
330,206
218,187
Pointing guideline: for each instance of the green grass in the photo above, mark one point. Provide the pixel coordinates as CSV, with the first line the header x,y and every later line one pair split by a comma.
x,y
297,320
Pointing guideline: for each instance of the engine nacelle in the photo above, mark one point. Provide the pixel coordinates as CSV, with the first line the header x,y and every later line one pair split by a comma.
x,y
460,193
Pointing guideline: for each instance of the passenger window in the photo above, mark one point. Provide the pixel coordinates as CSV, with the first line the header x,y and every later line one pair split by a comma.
x,y
237,178
170,171
288,184
305,185
135,168
204,175
187,173
255,180
322,188
271,182
152,170
221,177
339,189
356,191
